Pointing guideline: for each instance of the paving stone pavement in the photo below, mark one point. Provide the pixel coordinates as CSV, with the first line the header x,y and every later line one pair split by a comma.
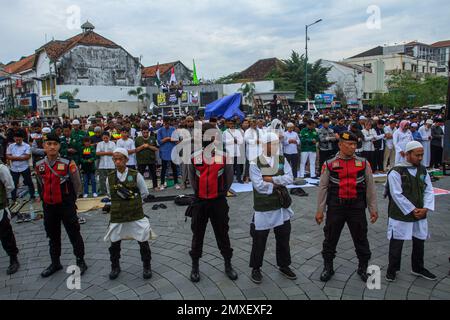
x,y
171,261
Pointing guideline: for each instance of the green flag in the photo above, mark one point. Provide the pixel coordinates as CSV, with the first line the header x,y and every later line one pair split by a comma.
x,y
194,76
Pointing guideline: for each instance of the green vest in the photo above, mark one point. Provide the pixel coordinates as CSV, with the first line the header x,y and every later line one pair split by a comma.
x,y
413,190
3,197
145,156
268,202
125,210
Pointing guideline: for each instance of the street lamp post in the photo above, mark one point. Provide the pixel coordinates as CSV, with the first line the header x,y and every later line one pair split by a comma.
x,y
306,58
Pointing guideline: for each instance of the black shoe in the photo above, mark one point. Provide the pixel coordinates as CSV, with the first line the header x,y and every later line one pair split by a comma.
x,y
115,271
424,273
53,268
82,265
13,266
195,272
163,206
327,273
390,276
256,276
229,271
147,274
362,272
155,207
288,273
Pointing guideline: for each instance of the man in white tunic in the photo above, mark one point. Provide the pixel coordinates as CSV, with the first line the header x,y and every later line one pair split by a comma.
x,y
401,138
425,132
127,188
411,197
268,173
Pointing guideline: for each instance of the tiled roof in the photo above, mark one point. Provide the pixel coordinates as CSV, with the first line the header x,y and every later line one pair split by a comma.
x,y
440,44
56,49
260,69
377,51
21,65
150,72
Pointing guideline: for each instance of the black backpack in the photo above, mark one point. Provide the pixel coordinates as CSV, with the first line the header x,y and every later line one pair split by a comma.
x,y
184,200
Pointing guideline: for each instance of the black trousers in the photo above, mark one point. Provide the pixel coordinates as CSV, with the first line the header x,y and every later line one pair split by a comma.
x,y
238,168
151,170
395,255
370,156
247,169
436,156
165,165
324,156
26,180
293,162
114,252
67,214
215,210
7,235
378,160
357,223
283,250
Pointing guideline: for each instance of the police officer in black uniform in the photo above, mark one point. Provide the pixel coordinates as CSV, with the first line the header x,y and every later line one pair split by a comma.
x,y
59,185
346,189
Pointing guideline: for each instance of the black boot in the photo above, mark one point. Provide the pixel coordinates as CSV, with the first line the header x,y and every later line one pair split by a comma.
x,y
82,265
13,265
229,271
114,252
147,270
362,271
195,272
327,272
53,268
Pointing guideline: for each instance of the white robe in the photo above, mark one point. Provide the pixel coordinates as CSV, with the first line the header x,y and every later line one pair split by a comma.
x,y
426,133
400,140
136,230
401,230
271,219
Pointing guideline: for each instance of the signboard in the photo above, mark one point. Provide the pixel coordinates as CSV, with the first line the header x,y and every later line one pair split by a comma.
x,y
19,83
161,99
72,105
29,101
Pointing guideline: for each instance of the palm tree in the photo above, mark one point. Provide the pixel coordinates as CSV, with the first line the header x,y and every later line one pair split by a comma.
x,y
248,91
140,94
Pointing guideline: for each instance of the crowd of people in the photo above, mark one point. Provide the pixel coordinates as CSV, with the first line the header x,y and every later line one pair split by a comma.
x,y
112,157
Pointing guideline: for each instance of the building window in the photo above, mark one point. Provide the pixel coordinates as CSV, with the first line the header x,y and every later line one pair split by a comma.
x,y
368,65
120,74
423,69
82,73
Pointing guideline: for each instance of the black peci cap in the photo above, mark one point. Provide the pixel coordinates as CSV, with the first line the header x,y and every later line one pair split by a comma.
x,y
348,136
52,137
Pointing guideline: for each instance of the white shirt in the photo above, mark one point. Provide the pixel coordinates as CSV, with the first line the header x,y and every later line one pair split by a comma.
x,y
233,149
106,162
16,150
136,230
401,230
271,219
369,138
250,137
291,148
128,145
389,142
425,133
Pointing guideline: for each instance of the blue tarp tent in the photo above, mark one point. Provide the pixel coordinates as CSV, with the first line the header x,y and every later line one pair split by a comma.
x,y
227,107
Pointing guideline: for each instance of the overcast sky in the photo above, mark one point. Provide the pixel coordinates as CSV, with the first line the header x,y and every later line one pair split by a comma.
x,y
224,36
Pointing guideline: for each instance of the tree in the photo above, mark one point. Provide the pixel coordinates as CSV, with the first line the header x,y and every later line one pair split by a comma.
x,y
140,94
291,76
67,95
340,95
248,92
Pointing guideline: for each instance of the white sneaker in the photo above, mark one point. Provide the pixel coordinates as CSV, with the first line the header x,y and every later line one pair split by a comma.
x,y
162,187
85,196
177,187
95,195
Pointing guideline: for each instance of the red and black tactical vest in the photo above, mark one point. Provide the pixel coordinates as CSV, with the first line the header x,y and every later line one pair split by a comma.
x,y
209,177
347,184
56,185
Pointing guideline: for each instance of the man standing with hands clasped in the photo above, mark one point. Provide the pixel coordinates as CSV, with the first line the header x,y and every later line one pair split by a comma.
x,y
411,197
346,189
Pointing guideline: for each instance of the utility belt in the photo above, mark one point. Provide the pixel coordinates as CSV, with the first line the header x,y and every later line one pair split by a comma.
x,y
124,193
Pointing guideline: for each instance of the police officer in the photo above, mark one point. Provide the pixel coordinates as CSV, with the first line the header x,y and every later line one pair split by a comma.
x,y
6,232
127,188
59,185
211,178
346,189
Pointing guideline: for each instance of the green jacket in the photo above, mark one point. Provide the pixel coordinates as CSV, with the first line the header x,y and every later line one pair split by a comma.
x,y
264,202
306,138
145,156
71,144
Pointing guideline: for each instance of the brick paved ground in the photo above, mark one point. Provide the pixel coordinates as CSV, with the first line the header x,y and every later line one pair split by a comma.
x,y
171,262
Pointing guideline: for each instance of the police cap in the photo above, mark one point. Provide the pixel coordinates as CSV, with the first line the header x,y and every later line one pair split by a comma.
x,y
52,137
348,136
